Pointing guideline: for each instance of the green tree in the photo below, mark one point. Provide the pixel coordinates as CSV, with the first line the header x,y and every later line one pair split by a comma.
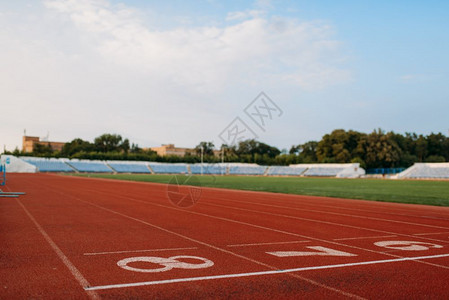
x,y
381,150
208,148
135,148
305,152
421,148
109,143
435,158
75,146
124,146
42,150
252,147
339,146
437,145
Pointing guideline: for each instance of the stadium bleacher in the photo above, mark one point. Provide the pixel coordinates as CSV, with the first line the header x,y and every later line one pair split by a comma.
x,y
426,171
129,167
246,169
350,170
48,164
89,166
163,168
344,170
285,171
323,171
215,169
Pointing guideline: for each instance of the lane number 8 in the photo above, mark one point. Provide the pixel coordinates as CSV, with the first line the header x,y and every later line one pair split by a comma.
x,y
165,263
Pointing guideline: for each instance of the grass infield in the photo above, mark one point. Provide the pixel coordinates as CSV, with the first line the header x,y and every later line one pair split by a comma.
x,y
401,191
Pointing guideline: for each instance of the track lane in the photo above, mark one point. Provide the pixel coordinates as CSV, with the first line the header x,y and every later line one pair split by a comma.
x,y
433,223
159,194
320,227
373,251
228,262
29,266
411,212
360,230
388,208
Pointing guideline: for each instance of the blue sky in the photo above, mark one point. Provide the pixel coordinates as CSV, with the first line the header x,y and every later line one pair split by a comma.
x,y
181,71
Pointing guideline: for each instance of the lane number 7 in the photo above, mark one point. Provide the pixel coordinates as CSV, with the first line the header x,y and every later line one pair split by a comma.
x,y
319,251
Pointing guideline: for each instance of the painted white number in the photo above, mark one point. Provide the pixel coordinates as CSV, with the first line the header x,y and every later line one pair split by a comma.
x,y
407,245
165,263
322,251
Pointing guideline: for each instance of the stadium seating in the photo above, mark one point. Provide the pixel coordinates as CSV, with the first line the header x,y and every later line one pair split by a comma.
x,y
246,169
349,170
286,171
344,170
89,166
216,169
162,168
426,170
323,171
48,164
129,167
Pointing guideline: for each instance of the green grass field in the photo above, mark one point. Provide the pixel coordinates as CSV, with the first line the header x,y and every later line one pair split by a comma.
x,y
403,191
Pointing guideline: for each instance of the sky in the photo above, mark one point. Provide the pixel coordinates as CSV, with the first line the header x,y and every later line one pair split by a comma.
x,y
181,72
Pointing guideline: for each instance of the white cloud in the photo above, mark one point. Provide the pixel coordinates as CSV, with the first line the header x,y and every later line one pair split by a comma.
x,y
82,68
205,57
243,15
264,4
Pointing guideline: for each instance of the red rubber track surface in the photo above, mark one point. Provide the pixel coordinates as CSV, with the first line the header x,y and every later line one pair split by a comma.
x,y
65,237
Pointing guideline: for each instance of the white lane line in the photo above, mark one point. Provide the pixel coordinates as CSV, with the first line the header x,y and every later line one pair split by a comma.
x,y
431,233
311,281
268,228
177,280
260,244
147,250
333,213
307,219
365,237
75,272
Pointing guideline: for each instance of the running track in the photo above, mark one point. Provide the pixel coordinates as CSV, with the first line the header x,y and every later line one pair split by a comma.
x,y
67,237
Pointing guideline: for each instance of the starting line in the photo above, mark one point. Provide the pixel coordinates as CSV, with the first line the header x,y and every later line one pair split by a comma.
x,y
177,280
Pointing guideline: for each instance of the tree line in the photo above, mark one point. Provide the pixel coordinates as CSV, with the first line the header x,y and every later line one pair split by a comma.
x,y
378,149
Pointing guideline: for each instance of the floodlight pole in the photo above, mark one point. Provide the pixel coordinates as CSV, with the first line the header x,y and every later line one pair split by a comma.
x,y
202,150
222,160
